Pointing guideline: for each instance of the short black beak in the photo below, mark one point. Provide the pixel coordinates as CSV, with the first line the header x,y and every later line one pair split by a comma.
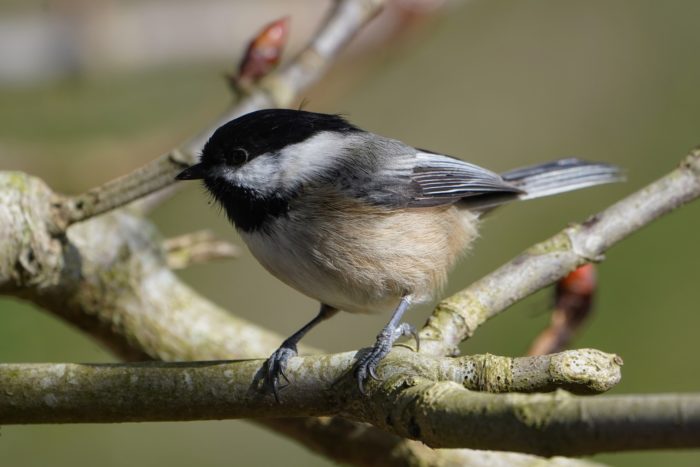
x,y
196,172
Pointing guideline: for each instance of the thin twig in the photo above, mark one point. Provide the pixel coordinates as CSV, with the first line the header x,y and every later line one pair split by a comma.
x,y
197,247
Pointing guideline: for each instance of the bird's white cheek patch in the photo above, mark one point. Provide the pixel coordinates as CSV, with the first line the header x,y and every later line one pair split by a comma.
x,y
303,161
262,170
285,171
261,174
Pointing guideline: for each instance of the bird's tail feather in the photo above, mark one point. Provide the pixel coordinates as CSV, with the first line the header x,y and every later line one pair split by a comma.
x,y
560,176
547,179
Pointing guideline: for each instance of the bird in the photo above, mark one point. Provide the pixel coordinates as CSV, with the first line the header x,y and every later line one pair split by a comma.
x,y
357,221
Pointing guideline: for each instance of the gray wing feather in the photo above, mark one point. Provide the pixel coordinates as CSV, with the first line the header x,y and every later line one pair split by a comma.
x,y
390,173
442,179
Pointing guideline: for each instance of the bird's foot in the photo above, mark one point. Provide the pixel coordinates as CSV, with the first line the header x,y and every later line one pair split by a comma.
x,y
276,365
367,365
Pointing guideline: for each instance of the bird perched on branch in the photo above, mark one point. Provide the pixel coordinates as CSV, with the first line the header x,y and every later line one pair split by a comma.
x,y
358,221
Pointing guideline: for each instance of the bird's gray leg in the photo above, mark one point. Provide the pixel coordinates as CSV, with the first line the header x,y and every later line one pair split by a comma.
x,y
367,365
276,364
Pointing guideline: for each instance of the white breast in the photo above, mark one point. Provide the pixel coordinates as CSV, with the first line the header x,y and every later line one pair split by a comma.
x,y
361,259
289,255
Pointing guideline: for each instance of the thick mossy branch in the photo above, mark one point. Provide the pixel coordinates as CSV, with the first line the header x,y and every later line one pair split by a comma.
x,y
30,257
322,385
439,413
543,424
457,317
110,278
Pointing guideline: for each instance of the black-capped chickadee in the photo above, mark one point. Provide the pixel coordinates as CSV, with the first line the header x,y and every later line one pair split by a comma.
x,y
357,221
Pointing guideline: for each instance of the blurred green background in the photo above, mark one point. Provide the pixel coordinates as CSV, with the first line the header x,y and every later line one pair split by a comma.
x,y
500,83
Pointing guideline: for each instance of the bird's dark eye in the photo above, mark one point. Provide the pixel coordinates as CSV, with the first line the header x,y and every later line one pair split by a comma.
x,y
236,156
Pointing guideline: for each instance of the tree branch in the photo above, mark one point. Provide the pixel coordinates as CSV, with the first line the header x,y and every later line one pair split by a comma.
x,y
544,424
438,412
377,448
457,317
323,385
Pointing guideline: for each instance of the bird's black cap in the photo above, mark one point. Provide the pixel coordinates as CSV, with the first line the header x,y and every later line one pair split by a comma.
x,y
269,131
261,132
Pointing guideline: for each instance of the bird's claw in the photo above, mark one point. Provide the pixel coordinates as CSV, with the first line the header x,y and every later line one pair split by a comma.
x,y
367,365
275,367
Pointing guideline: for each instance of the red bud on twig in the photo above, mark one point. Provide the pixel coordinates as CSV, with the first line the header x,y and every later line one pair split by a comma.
x,y
573,304
262,55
